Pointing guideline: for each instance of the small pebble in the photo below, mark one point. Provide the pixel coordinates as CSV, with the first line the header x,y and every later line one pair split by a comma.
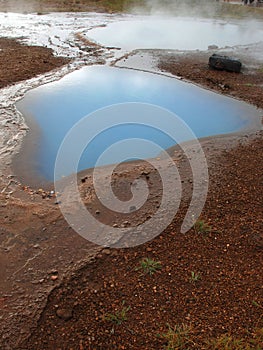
x,y
107,251
64,314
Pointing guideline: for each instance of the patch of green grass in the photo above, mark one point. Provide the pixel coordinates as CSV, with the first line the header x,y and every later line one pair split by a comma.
x,y
177,338
257,304
183,338
149,266
227,342
249,84
257,339
194,277
119,316
201,226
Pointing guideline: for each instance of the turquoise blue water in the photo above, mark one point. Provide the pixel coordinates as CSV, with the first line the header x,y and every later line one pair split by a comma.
x,y
57,106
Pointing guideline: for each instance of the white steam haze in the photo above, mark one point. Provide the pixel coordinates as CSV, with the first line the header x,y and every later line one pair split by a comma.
x,y
23,6
235,13
201,8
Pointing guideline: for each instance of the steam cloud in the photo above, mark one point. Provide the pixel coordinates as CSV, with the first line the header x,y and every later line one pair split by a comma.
x,y
203,8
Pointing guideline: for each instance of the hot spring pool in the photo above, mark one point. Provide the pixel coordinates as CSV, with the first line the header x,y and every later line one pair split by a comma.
x,y
53,109
151,32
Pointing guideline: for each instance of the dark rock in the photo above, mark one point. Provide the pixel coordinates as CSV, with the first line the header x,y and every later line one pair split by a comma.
x,y
83,180
132,208
212,47
220,62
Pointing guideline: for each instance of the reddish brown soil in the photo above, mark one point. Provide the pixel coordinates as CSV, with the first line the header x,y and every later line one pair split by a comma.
x,y
21,62
228,260
247,85
227,298
44,6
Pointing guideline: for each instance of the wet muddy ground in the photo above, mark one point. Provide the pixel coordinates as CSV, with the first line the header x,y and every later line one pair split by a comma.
x,y
39,252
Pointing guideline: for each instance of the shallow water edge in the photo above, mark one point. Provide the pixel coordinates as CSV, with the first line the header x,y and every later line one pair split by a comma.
x,y
250,120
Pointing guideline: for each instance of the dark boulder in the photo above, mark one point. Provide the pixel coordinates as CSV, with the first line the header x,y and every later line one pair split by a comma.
x,y
220,62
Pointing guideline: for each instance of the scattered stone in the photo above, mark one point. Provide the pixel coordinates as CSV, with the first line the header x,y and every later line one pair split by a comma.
x,y
125,223
54,277
132,208
65,314
83,180
212,47
107,251
220,62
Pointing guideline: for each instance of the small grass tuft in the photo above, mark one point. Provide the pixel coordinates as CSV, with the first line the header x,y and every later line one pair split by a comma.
x,y
257,304
149,266
227,342
249,84
177,338
257,339
201,226
119,316
194,277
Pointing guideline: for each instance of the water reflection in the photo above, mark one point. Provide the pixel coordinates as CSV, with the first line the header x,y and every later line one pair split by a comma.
x,y
57,106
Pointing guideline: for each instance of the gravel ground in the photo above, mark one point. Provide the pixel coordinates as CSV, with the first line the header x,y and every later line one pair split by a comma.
x,y
208,281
